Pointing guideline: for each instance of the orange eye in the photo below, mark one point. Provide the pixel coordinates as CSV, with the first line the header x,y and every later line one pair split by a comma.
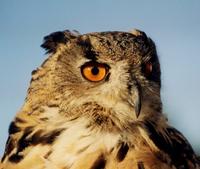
x,y
94,71
148,68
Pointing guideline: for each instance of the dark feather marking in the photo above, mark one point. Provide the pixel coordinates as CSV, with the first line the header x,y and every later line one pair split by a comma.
x,y
51,137
23,142
51,41
44,119
15,158
10,144
100,163
34,72
178,148
13,128
89,52
83,149
53,105
48,154
122,151
73,118
19,120
39,137
9,147
107,77
140,165
48,138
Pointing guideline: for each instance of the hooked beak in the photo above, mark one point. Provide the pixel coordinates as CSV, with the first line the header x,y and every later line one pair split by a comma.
x,y
135,100
138,105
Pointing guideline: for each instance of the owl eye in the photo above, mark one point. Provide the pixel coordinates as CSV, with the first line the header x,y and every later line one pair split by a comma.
x,y
94,71
147,68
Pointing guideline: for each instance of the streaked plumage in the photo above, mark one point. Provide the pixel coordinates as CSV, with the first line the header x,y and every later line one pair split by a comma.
x,y
74,118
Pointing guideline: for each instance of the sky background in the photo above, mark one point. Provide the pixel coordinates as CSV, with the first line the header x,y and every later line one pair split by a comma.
x,y
174,25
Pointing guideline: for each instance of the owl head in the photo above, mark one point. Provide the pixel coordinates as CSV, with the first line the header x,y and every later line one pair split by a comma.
x,y
103,75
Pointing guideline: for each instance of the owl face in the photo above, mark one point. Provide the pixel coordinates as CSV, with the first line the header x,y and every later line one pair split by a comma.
x,y
117,71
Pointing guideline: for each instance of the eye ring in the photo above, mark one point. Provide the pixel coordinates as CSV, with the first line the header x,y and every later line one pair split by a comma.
x,y
94,71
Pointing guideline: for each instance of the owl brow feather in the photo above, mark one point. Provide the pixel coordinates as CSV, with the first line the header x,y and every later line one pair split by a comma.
x,y
88,49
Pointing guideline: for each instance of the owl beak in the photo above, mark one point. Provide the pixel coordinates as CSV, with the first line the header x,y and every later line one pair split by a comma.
x,y
138,100
135,101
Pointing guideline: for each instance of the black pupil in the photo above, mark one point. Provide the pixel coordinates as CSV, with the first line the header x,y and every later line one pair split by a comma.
x,y
95,70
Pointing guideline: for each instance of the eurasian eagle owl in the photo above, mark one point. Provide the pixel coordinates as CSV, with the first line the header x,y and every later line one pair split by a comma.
x,y
93,104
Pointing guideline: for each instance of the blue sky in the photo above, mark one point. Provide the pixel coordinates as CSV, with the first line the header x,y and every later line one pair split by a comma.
x,y
174,25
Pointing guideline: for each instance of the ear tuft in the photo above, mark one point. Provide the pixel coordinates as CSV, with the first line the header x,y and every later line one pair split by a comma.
x,y
137,32
52,41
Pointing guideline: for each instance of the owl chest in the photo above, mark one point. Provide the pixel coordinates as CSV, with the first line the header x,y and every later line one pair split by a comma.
x,y
79,147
